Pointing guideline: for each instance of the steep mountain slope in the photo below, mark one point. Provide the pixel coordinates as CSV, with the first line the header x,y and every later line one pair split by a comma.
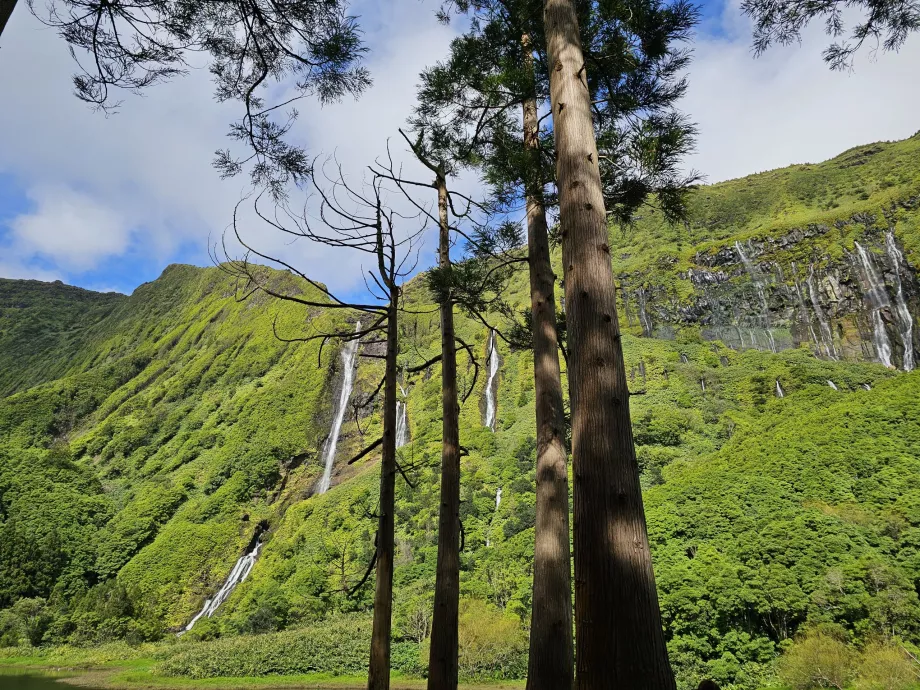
x,y
822,255
150,441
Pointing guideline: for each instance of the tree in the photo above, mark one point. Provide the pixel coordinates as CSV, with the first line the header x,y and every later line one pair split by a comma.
x,y
6,11
501,65
885,22
356,219
134,44
620,641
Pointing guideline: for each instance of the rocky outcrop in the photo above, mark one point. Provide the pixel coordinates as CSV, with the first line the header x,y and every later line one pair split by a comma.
x,y
775,293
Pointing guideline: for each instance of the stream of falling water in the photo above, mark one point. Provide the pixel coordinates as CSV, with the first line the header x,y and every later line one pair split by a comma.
x,y
239,573
490,382
905,320
877,297
780,393
826,334
349,357
402,424
832,385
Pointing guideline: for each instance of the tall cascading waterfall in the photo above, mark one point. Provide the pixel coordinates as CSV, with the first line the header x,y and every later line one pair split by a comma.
x,y
902,313
780,393
349,358
757,278
490,382
402,425
826,335
877,297
240,572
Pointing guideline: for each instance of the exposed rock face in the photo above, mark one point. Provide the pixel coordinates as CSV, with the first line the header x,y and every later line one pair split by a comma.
x,y
762,293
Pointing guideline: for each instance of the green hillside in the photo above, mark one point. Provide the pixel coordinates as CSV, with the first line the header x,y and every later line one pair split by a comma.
x,y
147,441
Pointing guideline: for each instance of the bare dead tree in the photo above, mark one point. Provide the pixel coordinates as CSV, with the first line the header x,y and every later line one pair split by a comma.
x,y
355,218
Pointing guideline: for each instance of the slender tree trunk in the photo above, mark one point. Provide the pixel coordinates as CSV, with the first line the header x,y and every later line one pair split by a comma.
x,y
6,10
379,671
442,662
619,638
550,663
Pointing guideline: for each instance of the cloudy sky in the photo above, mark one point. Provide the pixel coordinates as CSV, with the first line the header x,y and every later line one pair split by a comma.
x,y
107,202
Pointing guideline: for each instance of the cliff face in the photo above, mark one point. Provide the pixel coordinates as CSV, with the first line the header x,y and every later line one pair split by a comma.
x,y
792,268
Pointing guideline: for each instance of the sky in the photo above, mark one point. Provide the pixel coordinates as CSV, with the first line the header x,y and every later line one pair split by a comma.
x,y
106,202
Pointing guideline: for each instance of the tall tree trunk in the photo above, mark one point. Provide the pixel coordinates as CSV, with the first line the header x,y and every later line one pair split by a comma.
x,y
618,633
442,661
550,663
379,671
6,10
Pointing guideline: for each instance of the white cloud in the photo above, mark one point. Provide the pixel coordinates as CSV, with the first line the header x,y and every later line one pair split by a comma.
x,y
70,229
146,186
786,106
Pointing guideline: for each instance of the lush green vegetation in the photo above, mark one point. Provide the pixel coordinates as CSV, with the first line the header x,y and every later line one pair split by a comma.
x,y
145,438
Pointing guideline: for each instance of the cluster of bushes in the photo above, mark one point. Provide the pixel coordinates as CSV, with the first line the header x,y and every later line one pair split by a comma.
x,y
492,646
822,658
105,613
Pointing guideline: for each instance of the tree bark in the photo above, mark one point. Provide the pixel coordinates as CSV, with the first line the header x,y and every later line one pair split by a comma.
x,y
379,670
551,661
443,658
6,10
619,638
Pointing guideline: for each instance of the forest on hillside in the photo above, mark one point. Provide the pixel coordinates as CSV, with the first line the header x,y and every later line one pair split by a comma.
x,y
628,431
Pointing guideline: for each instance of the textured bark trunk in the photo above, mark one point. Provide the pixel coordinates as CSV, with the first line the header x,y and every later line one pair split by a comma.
x,y
619,639
442,661
6,10
379,670
550,663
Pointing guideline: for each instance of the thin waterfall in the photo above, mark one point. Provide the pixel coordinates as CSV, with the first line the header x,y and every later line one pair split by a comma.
x,y
803,310
644,320
239,573
490,383
684,359
826,334
498,497
402,424
877,297
867,386
832,385
780,393
756,278
349,358
905,320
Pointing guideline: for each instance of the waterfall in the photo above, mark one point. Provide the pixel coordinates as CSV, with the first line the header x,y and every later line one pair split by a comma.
x,y
239,573
878,299
349,357
803,310
826,334
402,425
703,384
490,382
780,393
498,497
867,386
684,358
757,279
832,385
644,320
905,320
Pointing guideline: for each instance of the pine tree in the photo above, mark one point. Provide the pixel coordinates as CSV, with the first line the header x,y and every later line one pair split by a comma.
x,y
501,65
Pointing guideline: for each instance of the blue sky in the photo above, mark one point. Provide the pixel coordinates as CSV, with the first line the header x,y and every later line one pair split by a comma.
x,y
107,203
